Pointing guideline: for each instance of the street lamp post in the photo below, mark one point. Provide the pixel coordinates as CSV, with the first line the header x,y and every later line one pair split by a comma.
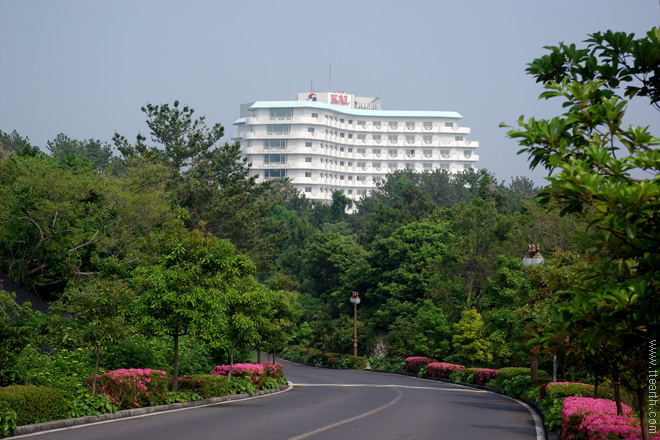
x,y
355,299
533,258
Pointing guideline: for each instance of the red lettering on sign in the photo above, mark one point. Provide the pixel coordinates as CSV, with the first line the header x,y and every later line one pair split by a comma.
x,y
339,99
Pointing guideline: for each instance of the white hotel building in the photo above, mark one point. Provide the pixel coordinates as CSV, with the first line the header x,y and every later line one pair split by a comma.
x,y
324,142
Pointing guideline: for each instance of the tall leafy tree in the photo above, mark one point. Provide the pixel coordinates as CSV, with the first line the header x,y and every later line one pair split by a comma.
x,y
606,174
185,285
469,340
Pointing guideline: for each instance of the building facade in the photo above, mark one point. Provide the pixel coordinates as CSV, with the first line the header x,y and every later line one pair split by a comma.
x,y
325,142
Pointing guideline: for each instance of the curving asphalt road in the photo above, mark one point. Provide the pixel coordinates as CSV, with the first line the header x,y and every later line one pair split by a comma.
x,y
331,404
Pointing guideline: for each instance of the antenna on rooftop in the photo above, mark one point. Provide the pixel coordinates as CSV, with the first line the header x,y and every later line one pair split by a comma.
x,y
330,80
311,86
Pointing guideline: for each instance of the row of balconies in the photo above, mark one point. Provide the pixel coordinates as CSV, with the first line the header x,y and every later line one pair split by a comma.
x,y
385,125
302,152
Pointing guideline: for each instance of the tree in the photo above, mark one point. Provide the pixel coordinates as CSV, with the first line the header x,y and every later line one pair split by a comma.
x,y
469,341
17,144
16,331
99,153
61,220
209,179
92,315
606,174
184,283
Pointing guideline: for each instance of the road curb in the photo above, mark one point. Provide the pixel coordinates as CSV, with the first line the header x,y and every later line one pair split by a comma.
x,y
126,413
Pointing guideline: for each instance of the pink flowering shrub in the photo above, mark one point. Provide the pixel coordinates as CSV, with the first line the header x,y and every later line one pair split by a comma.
x,y
588,418
415,363
133,388
274,370
441,370
251,371
483,375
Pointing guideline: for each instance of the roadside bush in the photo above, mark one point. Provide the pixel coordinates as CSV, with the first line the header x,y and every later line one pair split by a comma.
x,y
443,370
509,373
253,372
274,370
205,385
33,404
8,419
519,386
241,385
415,363
587,418
85,403
481,376
182,396
133,388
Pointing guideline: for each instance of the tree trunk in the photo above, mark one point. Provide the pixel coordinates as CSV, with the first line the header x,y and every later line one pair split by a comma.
x,y
175,379
258,355
616,382
596,387
643,414
534,367
231,358
96,368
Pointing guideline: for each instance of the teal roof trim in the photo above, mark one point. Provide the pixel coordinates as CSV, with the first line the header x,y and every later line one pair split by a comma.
x,y
240,121
356,112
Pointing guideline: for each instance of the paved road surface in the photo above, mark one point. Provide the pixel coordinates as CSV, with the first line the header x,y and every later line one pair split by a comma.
x,y
332,404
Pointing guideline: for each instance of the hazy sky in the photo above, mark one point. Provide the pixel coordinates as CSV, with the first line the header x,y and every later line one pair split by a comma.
x,y
84,68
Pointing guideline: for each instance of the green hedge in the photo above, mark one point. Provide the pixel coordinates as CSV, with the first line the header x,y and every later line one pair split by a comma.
x,y
509,373
206,385
34,404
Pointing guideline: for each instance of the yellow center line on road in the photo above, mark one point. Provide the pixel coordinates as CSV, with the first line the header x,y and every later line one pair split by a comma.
x,y
343,422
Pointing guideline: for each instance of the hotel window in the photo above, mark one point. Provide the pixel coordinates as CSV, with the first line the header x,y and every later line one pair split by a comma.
x,y
360,192
376,124
428,138
350,177
362,164
274,158
361,178
350,150
376,151
362,137
362,151
281,113
376,138
427,153
341,177
341,120
310,129
410,153
376,165
341,148
393,138
274,144
410,125
350,164
410,139
350,135
427,165
449,124
444,166
308,159
362,123
458,138
341,134
377,179
467,154
392,166
428,125
467,166
341,163
308,189
277,128
315,115
393,153
444,154
410,165
308,144
272,174
393,125
350,121
308,174
350,191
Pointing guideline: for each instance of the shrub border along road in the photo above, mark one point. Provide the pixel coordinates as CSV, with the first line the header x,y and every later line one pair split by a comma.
x,y
126,413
